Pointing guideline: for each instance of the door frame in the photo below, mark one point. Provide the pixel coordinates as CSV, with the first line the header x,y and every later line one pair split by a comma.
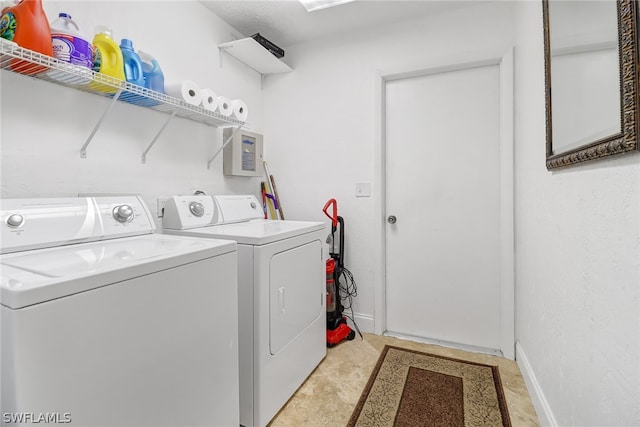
x,y
504,60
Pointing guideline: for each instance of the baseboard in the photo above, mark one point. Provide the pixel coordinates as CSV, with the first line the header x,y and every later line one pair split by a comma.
x,y
443,343
545,415
364,321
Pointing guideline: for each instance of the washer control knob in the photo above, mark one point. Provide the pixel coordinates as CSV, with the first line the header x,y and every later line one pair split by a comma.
x,y
123,213
253,205
15,220
196,208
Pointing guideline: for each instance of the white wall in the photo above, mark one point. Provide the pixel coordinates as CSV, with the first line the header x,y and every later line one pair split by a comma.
x,y
577,231
320,118
44,125
577,264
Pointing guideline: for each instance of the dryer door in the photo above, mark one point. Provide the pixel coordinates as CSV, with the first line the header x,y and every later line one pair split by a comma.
x,y
295,276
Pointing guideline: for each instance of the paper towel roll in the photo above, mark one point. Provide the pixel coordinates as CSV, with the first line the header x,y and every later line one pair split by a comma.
x,y
240,110
209,99
224,106
186,90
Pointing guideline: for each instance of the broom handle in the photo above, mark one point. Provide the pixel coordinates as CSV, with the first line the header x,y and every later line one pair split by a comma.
x,y
270,201
275,193
270,187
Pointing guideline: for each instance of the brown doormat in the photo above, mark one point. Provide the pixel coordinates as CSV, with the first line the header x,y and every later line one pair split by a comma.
x,y
410,388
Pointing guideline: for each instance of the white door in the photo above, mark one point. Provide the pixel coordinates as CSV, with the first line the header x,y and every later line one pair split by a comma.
x,y
443,189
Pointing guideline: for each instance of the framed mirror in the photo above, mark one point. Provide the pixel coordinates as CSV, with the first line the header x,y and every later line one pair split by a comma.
x,y
591,80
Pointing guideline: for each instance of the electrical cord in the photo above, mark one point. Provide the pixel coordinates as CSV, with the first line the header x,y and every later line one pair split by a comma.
x,y
347,290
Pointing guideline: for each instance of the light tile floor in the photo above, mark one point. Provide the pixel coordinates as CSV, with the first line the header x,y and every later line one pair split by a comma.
x,y
329,395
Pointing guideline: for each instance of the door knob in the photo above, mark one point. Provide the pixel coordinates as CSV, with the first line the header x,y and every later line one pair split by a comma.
x,y
391,219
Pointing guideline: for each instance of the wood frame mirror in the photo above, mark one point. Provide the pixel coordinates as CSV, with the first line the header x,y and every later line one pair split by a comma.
x,y
595,109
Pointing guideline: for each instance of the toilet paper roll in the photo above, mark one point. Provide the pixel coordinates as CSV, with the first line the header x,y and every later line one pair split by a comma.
x,y
209,99
224,106
186,90
240,110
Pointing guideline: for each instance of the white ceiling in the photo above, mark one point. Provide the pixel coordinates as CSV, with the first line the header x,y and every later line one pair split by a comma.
x,y
286,22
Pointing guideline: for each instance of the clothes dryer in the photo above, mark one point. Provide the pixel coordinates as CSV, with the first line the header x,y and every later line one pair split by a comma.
x,y
282,295
106,323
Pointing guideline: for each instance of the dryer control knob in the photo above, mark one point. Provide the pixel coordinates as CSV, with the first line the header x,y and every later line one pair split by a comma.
x,y
123,213
196,208
253,205
15,220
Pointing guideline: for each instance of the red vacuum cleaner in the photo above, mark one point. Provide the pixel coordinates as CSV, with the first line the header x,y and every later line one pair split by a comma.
x,y
337,328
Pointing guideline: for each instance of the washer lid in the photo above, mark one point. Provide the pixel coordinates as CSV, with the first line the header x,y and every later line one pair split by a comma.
x,y
36,276
258,231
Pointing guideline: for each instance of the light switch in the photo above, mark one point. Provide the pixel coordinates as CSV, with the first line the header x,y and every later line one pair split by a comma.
x,y
363,189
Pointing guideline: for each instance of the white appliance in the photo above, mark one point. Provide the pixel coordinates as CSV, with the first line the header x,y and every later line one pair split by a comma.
x,y
282,295
105,323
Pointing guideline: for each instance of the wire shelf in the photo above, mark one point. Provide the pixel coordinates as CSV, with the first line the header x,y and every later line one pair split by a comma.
x,y
18,60
23,61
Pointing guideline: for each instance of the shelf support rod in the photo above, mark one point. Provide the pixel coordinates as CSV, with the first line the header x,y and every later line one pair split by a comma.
x,y
155,138
223,145
221,54
83,150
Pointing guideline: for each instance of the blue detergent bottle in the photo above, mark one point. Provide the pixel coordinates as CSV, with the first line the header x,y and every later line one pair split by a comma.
x,y
132,63
153,77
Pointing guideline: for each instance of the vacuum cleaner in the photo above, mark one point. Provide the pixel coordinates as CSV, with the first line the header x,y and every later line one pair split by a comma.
x,y
337,328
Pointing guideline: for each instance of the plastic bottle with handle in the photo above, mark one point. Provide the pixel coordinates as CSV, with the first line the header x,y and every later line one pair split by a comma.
x,y
153,78
69,44
107,60
27,25
132,63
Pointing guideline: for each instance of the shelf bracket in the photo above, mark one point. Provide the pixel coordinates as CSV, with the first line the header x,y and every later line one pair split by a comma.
x,y
83,150
222,148
155,138
221,54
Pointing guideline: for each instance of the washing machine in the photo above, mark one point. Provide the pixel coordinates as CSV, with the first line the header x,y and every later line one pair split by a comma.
x,y
282,294
105,323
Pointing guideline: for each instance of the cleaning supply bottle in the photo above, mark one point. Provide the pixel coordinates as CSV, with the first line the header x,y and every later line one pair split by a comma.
x,y
132,63
27,25
107,59
69,45
153,76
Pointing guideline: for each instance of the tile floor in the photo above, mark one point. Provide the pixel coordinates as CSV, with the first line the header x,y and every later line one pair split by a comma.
x,y
329,395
